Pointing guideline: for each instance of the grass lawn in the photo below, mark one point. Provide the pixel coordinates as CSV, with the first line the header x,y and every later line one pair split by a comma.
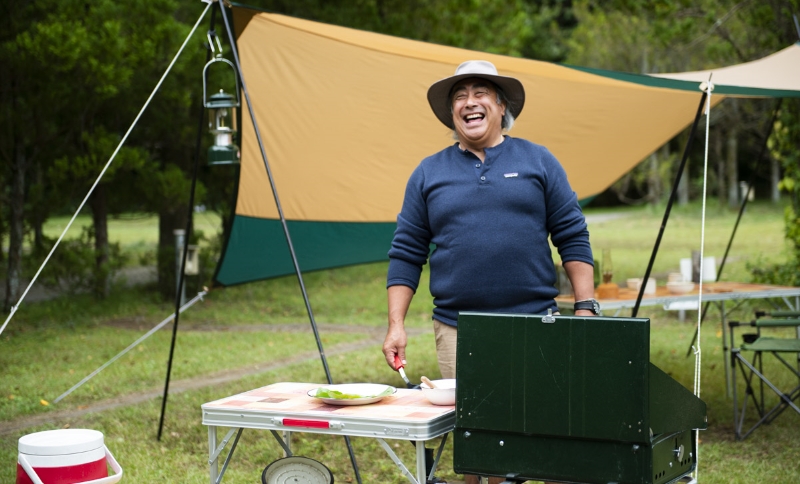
x,y
244,337
137,234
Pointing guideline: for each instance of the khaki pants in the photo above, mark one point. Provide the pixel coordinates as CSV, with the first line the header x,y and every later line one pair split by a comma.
x,y
446,338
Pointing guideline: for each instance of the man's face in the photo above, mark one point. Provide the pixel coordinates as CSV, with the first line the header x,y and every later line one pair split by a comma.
x,y
477,116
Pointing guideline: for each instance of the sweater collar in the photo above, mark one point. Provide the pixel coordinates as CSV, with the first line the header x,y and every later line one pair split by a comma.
x,y
491,153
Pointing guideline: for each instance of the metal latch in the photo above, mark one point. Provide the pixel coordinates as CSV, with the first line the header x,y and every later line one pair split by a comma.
x,y
549,319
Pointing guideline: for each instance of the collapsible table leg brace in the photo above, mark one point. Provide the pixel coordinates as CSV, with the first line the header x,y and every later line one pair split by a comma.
x,y
754,377
420,460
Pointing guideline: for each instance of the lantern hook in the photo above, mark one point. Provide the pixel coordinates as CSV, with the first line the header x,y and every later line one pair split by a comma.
x,y
218,58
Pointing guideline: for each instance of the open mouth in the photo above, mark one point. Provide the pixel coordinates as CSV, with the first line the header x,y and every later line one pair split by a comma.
x,y
473,118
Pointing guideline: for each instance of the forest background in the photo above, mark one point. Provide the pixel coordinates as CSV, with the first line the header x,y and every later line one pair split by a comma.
x,y
75,74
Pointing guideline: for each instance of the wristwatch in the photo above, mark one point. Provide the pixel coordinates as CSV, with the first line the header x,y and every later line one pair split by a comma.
x,y
588,304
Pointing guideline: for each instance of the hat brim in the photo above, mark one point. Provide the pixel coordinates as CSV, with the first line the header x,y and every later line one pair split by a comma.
x,y
439,95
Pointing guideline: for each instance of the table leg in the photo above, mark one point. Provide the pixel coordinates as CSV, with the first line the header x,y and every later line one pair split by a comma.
x,y
725,362
797,330
213,466
216,449
402,467
422,476
284,442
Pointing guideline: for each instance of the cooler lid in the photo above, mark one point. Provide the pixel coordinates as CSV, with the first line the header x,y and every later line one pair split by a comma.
x,y
60,442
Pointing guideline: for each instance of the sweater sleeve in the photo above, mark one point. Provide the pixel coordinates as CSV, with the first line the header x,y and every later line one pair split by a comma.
x,y
412,238
565,220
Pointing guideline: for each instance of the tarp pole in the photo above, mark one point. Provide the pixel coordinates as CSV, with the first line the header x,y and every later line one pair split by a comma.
x,y
180,275
796,26
671,200
296,264
742,206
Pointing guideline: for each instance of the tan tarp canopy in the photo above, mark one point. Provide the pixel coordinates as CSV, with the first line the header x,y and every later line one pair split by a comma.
x,y
779,71
344,117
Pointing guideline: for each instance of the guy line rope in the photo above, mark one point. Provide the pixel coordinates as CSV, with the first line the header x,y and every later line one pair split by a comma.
x,y
708,87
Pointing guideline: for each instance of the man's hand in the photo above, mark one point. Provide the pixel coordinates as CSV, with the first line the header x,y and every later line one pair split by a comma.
x,y
584,312
395,345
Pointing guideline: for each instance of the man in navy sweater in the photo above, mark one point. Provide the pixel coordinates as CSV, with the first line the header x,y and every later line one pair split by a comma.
x,y
488,204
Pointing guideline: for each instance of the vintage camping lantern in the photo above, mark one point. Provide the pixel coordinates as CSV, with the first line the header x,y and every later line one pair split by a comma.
x,y
222,116
222,125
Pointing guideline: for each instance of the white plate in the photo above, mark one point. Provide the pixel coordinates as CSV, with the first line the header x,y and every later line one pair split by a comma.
x,y
368,390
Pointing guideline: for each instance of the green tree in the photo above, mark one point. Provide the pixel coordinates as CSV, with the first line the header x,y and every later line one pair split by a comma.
x,y
32,127
530,28
114,52
678,35
783,146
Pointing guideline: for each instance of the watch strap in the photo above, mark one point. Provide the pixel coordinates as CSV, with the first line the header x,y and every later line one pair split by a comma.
x,y
587,304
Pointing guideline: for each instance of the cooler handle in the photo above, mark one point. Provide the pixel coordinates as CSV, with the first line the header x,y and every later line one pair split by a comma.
x,y
104,480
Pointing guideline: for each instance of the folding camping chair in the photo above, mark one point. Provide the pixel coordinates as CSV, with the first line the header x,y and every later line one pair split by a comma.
x,y
752,370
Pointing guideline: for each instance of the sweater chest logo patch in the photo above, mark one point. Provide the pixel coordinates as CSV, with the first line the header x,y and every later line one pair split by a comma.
x,y
511,175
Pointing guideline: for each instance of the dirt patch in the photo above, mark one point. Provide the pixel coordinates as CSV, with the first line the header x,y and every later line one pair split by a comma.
x,y
145,324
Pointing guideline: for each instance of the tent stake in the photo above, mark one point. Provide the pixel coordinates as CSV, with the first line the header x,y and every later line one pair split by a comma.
x,y
669,203
296,264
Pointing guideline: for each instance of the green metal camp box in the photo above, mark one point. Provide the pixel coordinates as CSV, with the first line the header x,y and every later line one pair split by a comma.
x,y
571,399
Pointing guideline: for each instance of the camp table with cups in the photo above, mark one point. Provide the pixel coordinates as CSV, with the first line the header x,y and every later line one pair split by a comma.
x,y
727,296
286,407
714,292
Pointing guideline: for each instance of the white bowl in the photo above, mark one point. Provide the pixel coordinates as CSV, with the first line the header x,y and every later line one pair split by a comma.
x,y
443,394
675,277
634,283
680,287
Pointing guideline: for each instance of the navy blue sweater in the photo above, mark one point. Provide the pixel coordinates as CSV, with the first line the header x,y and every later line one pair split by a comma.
x,y
489,223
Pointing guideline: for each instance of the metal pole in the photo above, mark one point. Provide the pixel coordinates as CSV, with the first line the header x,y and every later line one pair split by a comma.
x,y
295,262
669,204
179,276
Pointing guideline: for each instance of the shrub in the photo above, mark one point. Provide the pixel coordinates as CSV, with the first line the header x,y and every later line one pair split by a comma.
x,y
73,268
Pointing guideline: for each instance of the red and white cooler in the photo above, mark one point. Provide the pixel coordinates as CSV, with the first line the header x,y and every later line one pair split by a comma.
x,y
68,456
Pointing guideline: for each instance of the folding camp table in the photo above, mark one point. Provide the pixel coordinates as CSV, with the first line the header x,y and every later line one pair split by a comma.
x,y
719,293
285,407
716,292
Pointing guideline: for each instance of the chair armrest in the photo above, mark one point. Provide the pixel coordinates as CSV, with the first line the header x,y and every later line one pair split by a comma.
x,y
779,345
777,323
778,314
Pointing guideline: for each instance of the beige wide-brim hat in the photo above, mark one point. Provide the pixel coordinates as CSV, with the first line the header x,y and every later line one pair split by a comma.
x,y
439,92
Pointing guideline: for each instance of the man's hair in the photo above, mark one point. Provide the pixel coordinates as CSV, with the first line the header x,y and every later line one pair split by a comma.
x,y
508,119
